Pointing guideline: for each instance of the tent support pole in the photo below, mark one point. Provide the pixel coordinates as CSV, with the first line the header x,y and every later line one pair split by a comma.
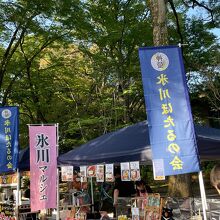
x,y
92,194
203,195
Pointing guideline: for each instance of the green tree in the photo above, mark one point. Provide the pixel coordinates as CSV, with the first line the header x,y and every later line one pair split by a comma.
x,y
76,62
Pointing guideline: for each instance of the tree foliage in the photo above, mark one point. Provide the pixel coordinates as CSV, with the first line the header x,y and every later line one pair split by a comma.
x,y
76,62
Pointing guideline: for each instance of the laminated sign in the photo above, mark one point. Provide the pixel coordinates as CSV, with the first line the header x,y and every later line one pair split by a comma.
x,y
125,171
135,171
67,173
100,173
109,172
171,128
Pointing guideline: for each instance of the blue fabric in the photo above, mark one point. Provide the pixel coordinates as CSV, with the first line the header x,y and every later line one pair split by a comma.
x,y
171,127
132,144
24,159
9,146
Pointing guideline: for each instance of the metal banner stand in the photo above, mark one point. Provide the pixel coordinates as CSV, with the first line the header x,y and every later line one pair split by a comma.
x,y
18,194
58,197
92,194
203,195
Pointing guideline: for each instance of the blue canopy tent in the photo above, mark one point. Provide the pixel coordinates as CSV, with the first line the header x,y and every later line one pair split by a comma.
x,y
132,144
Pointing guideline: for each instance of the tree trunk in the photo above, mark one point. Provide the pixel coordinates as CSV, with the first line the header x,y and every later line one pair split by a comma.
x,y
158,12
179,185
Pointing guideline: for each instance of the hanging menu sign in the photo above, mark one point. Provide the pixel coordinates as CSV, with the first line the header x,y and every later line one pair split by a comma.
x,y
125,171
91,171
83,177
135,171
67,173
109,172
100,174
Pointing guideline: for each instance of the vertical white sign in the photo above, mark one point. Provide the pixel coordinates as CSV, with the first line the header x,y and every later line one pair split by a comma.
x,y
158,169
135,171
100,174
83,176
125,171
109,172
67,173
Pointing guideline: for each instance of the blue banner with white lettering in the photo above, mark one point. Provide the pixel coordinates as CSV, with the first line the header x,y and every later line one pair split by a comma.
x,y
9,146
170,121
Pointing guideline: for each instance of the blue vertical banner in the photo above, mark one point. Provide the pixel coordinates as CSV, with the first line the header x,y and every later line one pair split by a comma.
x,y
170,122
9,146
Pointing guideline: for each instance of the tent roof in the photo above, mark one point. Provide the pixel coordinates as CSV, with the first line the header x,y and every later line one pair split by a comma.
x,y
132,144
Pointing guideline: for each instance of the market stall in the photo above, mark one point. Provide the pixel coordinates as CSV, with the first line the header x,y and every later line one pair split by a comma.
x,y
15,191
14,204
132,144
127,144
8,185
76,203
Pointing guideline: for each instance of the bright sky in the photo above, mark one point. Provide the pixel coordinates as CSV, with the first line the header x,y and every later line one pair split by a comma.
x,y
200,12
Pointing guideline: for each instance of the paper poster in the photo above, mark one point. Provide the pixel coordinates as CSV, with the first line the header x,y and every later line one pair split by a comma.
x,y
109,172
158,169
135,213
91,171
135,171
153,207
83,177
67,173
125,171
100,174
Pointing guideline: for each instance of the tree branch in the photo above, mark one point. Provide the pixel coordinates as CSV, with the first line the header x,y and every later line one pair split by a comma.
x,y
177,20
195,2
9,89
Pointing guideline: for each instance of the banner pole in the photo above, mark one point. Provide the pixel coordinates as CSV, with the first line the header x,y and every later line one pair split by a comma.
x,y
92,195
58,191
203,195
58,196
18,194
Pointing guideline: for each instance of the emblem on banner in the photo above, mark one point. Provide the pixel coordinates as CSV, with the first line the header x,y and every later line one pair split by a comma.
x,y
160,61
6,113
